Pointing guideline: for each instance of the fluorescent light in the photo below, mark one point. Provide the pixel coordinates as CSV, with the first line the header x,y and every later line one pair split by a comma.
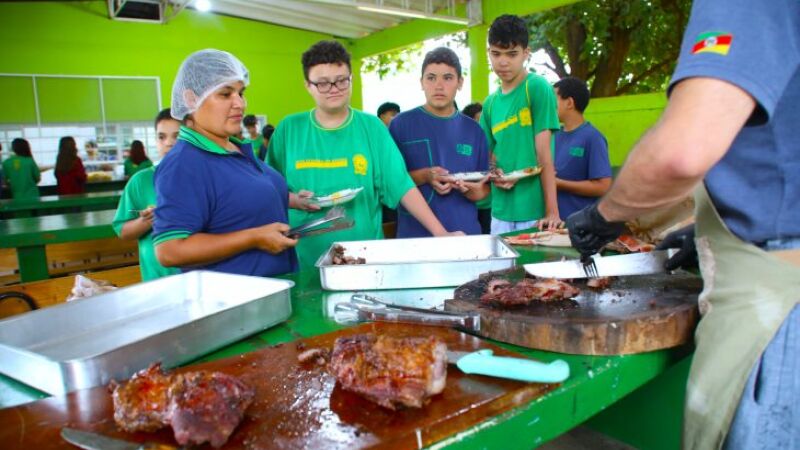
x,y
413,14
202,5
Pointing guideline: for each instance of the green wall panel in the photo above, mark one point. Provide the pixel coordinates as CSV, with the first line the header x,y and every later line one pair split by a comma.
x,y
18,100
68,99
130,99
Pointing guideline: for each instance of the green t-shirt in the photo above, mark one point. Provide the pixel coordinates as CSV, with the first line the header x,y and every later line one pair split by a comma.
x,y
131,168
257,143
358,153
139,194
510,122
22,174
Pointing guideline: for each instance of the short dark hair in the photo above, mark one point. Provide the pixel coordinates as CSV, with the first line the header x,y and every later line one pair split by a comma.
x,y
508,31
21,147
325,52
472,109
388,106
442,55
576,89
267,131
164,114
250,120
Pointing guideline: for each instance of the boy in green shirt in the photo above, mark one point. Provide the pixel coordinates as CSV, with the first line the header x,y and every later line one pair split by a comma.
x,y
21,172
334,147
251,126
134,218
518,119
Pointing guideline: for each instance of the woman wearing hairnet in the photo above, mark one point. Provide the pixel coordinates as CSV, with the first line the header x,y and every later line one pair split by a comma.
x,y
218,208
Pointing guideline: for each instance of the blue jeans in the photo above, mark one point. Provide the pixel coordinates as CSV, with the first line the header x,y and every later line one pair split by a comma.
x,y
768,416
501,226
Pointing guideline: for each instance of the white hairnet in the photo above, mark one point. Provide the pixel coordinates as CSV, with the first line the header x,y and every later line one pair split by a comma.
x,y
202,73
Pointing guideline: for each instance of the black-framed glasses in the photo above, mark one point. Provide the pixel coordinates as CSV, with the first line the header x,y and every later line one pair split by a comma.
x,y
325,86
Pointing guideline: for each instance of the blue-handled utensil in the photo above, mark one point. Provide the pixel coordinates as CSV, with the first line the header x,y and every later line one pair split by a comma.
x,y
484,362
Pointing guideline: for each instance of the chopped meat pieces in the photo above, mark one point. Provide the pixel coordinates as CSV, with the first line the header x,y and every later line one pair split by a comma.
x,y
200,406
599,283
339,258
392,372
505,293
317,355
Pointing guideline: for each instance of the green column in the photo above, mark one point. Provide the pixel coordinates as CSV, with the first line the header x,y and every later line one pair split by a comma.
x,y
479,67
356,98
32,263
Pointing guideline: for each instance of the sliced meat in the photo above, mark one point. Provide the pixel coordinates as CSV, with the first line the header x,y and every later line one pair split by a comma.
x,y
317,355
207,407
339,258
528,290
599,283
392,372
141,403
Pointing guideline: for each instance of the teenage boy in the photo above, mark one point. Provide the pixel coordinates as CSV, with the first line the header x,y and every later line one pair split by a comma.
x,y
134,217
251,126
334,147
518,119
435,140
387,112
582,165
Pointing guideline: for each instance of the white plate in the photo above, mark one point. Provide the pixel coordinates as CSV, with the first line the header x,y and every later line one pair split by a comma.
x,y
522,173
468,176
338,197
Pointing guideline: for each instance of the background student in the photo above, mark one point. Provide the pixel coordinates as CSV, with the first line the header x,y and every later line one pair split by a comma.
x,y
387,111
70,174
21,173
137,159
484,205
250,123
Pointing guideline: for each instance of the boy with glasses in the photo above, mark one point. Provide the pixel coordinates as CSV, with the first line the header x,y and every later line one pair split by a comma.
x,y
334,147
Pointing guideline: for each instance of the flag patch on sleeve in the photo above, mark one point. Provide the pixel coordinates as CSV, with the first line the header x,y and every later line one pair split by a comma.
x,y
712,42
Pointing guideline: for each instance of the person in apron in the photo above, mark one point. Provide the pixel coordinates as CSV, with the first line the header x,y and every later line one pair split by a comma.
x,y
730,134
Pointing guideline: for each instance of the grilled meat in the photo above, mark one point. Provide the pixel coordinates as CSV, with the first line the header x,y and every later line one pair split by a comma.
x,y
339,258
200,406
392,372
141,403
207,407
599,283
504,293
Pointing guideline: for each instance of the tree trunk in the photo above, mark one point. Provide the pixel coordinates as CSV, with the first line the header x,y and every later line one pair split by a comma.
x,y
576,39
609,67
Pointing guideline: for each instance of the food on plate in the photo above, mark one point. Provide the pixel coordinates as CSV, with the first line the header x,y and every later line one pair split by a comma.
x,y
501,292
392,372
629,244
515,175
549,238
339,258
599,283
200,406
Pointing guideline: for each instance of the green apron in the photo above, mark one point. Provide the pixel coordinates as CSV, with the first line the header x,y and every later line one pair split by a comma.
x,y
747,294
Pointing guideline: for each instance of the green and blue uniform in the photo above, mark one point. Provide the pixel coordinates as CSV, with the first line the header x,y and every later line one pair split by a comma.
x,y
581,154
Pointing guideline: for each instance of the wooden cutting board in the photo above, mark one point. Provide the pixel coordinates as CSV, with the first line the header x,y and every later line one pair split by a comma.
x,y
636,314
297,406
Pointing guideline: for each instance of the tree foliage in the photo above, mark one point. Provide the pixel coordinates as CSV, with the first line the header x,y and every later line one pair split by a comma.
x,y
392,62
617,46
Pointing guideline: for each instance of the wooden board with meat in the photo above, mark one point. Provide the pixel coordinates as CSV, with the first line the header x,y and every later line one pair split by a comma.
x,y
632,315
298,404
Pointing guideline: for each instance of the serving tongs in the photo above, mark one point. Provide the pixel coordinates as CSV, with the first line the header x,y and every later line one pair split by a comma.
x,y
335,219
362,308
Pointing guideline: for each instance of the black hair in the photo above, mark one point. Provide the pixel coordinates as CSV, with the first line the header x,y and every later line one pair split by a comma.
x,y
325,52
388,106
472,109
576,89
21,147
267,131
508,31
250,120
67,154
164,114
442,55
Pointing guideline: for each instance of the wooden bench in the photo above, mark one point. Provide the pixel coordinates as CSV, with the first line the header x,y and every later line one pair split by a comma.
x,y
55,291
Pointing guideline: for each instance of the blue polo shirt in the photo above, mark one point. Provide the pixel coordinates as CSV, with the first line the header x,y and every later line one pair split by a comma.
x,y
203,188
756,185
456,143
581,154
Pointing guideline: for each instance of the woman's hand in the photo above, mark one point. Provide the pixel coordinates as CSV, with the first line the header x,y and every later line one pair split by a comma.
x,y
302,201
272,238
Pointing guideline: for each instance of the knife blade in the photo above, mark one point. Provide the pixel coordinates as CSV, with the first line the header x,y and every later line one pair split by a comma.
x,y
607,266
484,362
93,441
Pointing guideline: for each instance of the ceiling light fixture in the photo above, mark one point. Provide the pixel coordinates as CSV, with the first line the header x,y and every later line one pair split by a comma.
x,y
202,5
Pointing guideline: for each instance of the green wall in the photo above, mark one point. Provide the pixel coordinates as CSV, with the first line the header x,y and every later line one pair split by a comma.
x,y
623,120
78,38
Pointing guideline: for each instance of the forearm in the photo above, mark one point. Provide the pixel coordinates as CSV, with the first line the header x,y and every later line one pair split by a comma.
x,y
134,229
548,175
477,191
203,248
416,205
586,188
421,176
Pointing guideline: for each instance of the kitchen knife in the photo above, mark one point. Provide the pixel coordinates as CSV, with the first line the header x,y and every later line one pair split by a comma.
x,y
484,362
93,441
607,266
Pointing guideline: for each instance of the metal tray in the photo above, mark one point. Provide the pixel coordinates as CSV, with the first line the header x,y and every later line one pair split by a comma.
x,y
89,342
415,263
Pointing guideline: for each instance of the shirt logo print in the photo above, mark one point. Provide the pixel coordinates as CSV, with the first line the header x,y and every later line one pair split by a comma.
x,y
525,117
320,163
464,149
576,152
360,164
713,42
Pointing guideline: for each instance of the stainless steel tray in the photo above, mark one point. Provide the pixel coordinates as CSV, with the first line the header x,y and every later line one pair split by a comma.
x,y
89,342
415,263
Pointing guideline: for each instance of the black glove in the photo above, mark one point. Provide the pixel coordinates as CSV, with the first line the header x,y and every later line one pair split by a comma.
x,y
682,239
589,231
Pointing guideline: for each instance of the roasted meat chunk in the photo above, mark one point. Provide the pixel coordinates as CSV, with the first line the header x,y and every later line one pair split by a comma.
x,y
339,258
141,403
392,372
207,407
505,293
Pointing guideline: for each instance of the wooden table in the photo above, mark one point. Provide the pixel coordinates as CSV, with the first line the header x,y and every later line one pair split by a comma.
x,y
30,235
59,204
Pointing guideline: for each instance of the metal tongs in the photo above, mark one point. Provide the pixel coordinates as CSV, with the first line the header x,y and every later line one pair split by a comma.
x,y
362,307
335,219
